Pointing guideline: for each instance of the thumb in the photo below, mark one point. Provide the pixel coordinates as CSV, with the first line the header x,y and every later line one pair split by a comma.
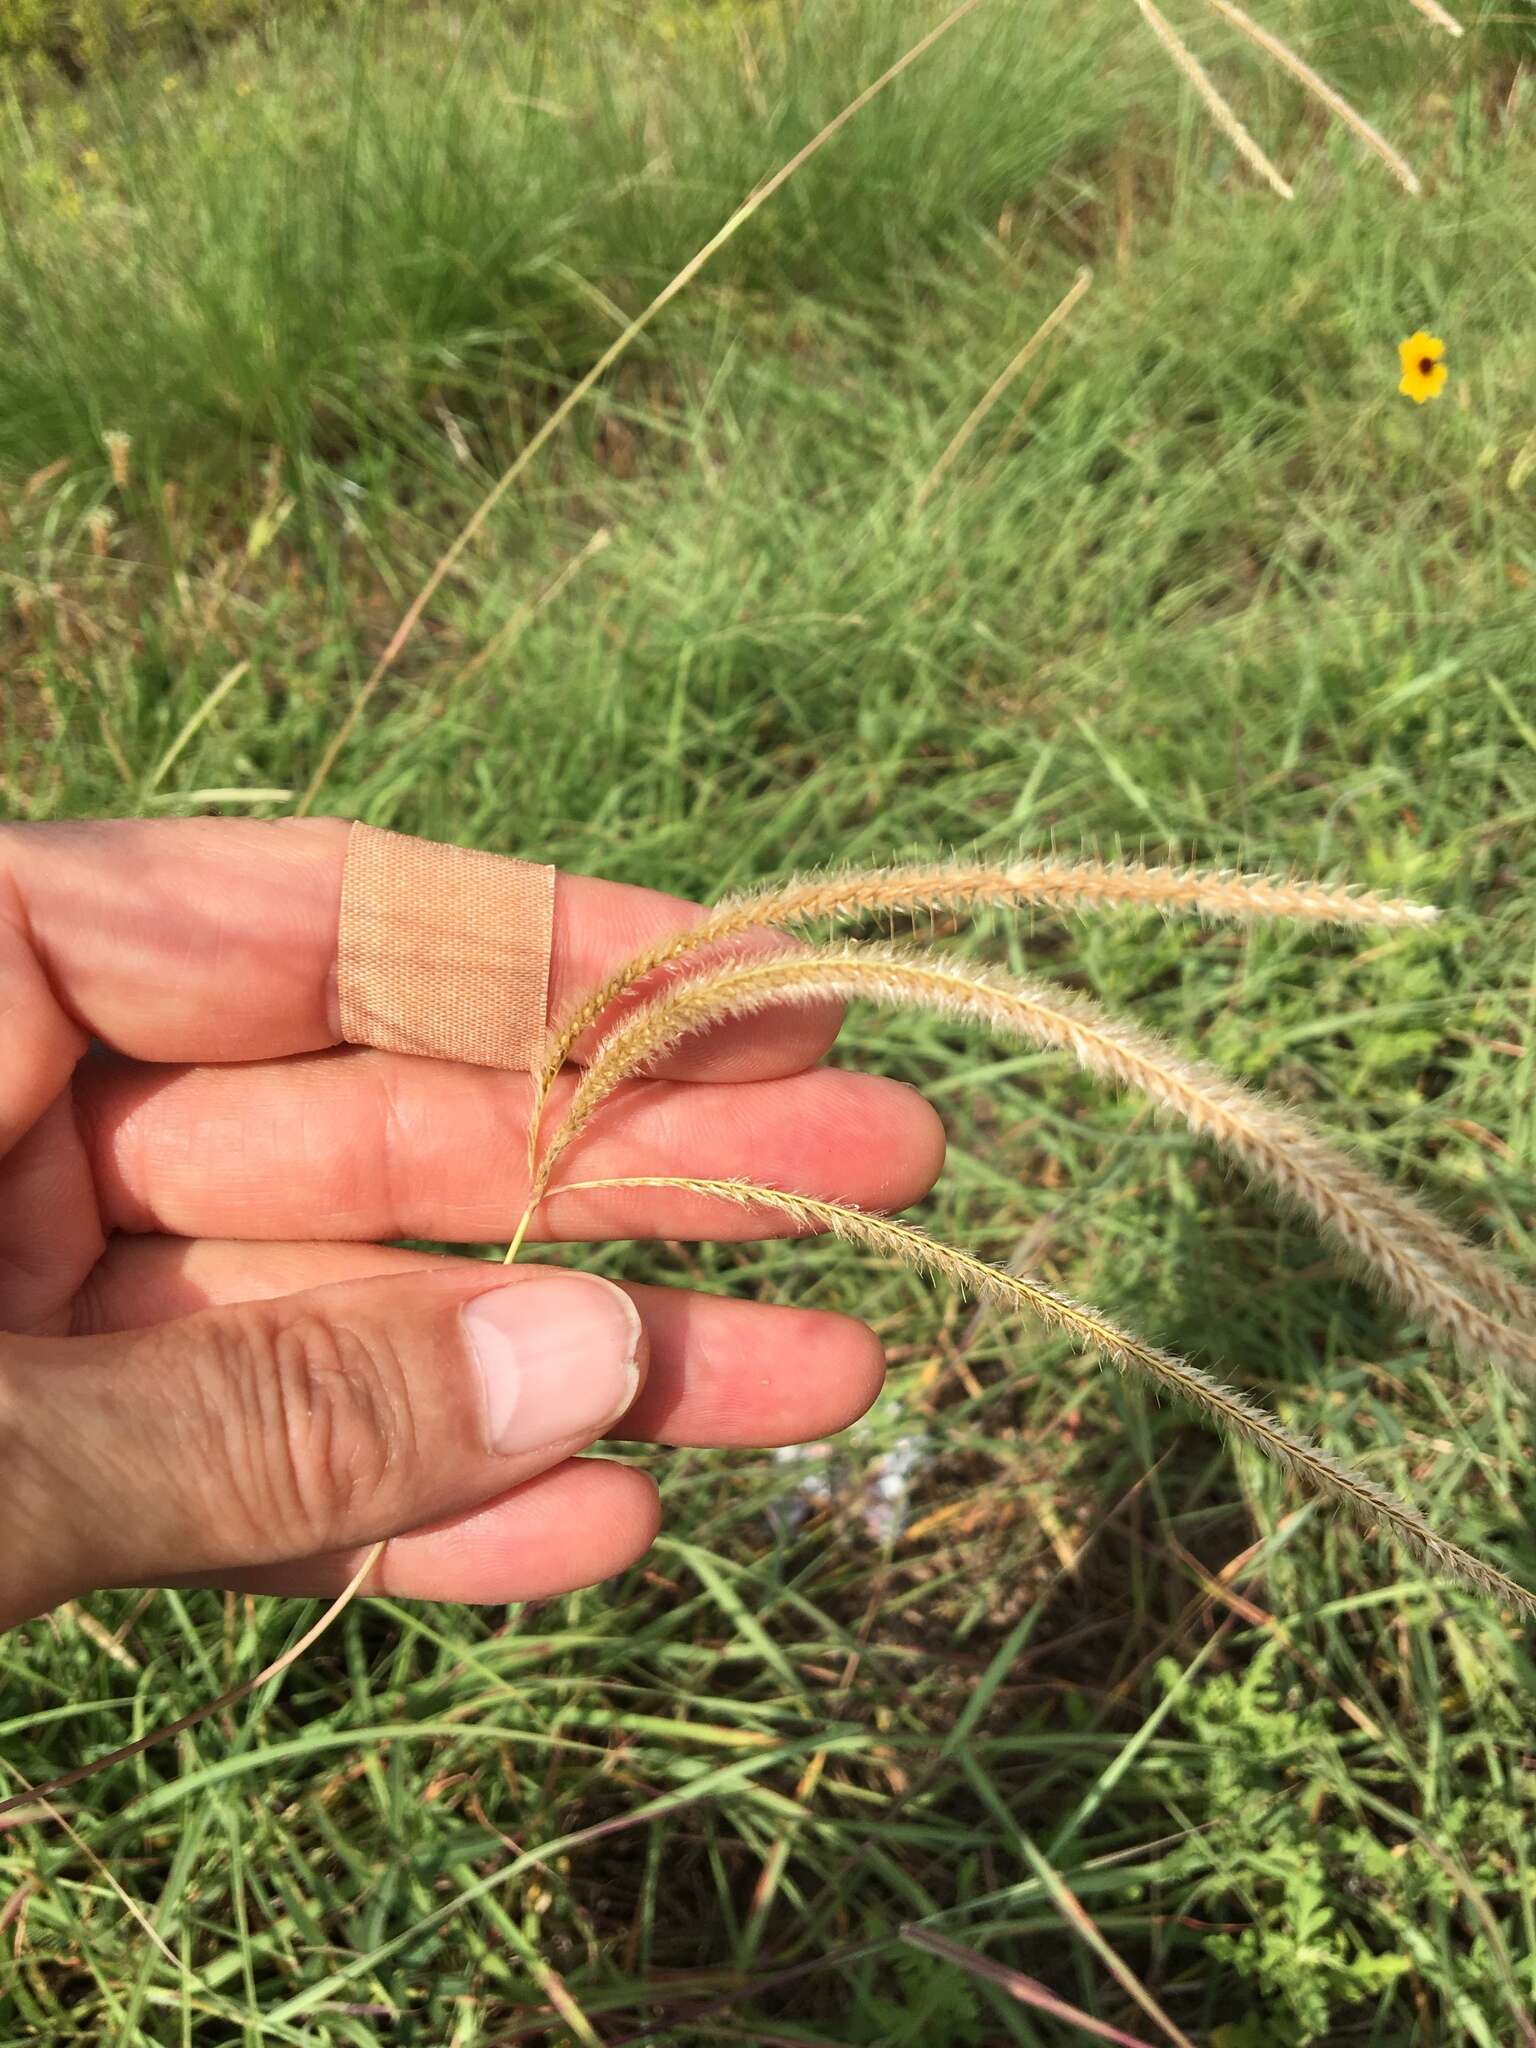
x,y
276,1430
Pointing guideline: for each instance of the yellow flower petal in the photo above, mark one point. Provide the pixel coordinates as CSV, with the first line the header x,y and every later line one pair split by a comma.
x,y
1420,385
1418,346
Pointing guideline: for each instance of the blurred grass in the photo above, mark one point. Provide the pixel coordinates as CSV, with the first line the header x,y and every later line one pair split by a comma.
x,y
1201,581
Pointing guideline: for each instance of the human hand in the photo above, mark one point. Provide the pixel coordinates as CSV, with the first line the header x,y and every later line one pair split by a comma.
x,y
215,1374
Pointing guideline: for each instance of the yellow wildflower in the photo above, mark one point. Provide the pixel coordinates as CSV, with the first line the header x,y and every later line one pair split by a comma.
x,y
1424,371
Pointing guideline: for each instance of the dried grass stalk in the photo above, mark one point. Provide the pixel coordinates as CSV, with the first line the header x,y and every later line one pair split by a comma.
x,y
1320,89
755,200
1433,11
1093,1332
1019,362
241,1691
1219,109
1416,1257
1058,885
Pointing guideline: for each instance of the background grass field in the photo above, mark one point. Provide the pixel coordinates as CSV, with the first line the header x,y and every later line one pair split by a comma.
x,y
1105,1702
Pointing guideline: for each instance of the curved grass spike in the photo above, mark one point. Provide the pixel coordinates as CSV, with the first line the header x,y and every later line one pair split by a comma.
x,y
1416,1257
1320,89
1059,885
1220,109
1091,1331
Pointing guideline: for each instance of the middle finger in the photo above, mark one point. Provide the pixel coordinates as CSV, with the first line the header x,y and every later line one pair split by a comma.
x,y
373,1145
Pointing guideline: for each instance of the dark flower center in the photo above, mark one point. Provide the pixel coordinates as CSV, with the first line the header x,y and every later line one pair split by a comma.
x,y
1426,364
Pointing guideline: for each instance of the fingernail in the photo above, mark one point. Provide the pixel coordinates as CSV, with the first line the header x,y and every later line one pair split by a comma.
x,y
557,1358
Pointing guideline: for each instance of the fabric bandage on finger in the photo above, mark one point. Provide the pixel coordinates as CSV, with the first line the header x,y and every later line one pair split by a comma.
x,y
442,950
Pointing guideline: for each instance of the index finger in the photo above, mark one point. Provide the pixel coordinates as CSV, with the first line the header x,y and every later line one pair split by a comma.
x,y
214,940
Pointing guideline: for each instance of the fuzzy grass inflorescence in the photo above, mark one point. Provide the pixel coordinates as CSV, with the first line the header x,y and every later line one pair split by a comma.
x,y
1093,1331
1052,884
1411,1253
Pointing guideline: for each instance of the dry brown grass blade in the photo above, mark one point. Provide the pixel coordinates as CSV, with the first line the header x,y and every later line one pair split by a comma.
x,y
1433,11
1058,885
1415,1256
1094,1332
1320,89
1017,1985
1020,362
754,201
509,634
48,1811
1216,106
1082,1922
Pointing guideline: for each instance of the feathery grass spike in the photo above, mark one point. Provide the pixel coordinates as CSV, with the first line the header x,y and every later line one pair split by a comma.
x,y
1092,1331
1059,885
1321,90
1408,1249
1217,106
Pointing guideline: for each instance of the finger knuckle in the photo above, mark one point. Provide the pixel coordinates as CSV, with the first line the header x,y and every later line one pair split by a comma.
x,y
318,1418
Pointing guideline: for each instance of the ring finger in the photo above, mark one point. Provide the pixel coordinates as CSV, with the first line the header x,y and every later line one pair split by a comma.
x,y
379,1145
